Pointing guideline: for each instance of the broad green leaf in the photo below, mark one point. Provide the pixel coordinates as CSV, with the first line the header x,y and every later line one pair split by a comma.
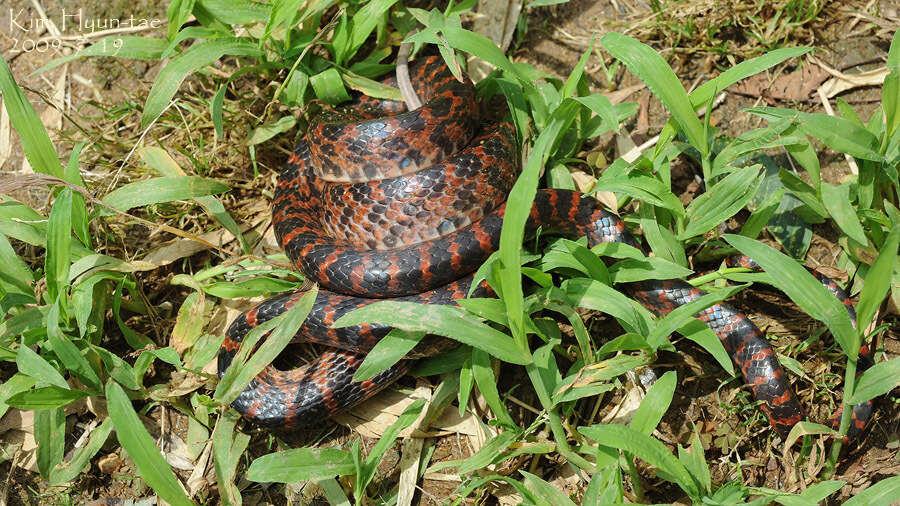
x,y
228,447
840,134
645,447
409,415
680,315
813,298
879,379
695,462
643,188
59,240
704,93
389,350
591,294
878,278
884,492
484,377
19,382
50,397
265,132
161,189
172,75
34,365
485,456
804,192
361,25
655,404
121,46
70,355
645,63
82,456
15,276
178,13
329,87
35,142
700,333
447,321
518,208
299,464
546,491
283,328
837,201
722,201
50,436
371,87
813,495
762,214
141,448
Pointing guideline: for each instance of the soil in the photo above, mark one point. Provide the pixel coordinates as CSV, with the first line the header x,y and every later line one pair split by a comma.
x,y
738,443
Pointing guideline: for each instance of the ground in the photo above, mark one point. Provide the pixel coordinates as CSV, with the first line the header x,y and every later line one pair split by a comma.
x,y
100,100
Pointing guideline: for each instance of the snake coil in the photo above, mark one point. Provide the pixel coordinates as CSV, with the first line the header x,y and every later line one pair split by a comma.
x,y
381,202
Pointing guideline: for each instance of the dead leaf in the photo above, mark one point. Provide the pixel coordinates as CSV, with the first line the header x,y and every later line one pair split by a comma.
x,y
793,86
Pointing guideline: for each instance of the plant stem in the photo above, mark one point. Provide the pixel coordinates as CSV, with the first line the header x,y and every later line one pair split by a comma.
x,y
712,276
636,486
562,444
846,413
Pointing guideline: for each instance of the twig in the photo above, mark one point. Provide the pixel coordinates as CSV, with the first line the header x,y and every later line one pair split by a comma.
x,y
403,82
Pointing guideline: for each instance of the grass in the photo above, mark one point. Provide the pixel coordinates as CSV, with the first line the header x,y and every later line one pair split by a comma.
x,y
68,329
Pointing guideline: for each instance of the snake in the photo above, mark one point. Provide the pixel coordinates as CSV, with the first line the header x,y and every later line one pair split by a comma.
x,y
377,202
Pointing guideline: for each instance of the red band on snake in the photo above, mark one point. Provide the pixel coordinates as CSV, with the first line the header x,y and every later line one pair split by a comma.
x,y
407,205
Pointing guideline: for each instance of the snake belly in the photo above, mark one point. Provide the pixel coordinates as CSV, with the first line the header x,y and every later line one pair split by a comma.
x,y
379,202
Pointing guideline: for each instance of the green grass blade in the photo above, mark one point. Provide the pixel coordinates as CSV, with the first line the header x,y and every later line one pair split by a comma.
x,y
791,278
236,12
121,46
387,439
704,93
135,439
59,241
645,447
159,159
228,448
591,294
82,456
285,326
35,142
389,350
300,464
329,87
645,63
195,58
483,374
361,25
840,134
16,276
447,321
879,379
680,315
837,201
30,363
655,404
885,491
50,436
546,491
50,397
518,208
878,279
722,201
161,189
